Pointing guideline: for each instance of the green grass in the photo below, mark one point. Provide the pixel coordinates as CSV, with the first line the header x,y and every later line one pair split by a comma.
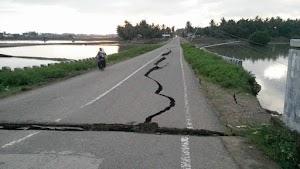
x,y
214,69
277,142
21,80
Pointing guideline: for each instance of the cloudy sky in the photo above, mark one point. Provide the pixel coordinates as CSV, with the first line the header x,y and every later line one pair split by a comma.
x,y
103,16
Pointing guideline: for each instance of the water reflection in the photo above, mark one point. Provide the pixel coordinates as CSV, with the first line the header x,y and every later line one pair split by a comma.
x,y
243,52
20,62
50,41
75,52
59,51
269,65
275,71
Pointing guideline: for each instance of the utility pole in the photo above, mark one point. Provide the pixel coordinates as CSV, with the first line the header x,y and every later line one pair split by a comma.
x,y
194,34
291,115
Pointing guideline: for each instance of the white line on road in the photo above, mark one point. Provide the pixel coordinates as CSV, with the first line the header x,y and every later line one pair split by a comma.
x,y
185,150
18,141
105,93
185,153
57,120
186,101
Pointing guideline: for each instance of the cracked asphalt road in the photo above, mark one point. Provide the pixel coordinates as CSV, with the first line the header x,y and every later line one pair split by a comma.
x,y
120,94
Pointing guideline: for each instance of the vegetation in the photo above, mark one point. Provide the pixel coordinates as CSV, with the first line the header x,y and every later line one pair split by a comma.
x,y
277,142
143,30
243,28
214,69
259,38
17,80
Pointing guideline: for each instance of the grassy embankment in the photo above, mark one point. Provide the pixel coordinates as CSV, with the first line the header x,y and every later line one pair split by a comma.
x,y
276,141
22,80
214,69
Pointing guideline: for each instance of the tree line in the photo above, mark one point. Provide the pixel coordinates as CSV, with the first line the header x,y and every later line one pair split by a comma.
x,y
243,28
143,30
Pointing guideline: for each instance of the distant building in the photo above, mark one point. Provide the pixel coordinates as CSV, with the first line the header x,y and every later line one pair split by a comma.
x,y
16,35
166,35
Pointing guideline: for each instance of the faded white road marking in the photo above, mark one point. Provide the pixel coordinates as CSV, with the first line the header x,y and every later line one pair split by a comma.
x,y
50,161
57,120
186,101
185,150
185,153
105,93
18,141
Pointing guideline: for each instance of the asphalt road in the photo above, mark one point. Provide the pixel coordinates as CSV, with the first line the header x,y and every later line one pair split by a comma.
x,y
161,89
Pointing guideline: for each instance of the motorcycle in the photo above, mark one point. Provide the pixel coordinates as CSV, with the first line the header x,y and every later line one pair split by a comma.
x,y
101,63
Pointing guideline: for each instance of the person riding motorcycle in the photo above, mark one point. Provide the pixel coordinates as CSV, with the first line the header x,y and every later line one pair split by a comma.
x,y
101,59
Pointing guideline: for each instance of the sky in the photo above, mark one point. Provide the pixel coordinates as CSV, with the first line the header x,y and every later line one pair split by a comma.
x,y
103,16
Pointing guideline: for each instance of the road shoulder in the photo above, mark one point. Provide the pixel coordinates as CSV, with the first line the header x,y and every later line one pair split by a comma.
x,y
236,110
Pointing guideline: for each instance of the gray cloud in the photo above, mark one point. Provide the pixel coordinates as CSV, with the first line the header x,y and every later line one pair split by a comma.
x,y
122,6
170,12
227,8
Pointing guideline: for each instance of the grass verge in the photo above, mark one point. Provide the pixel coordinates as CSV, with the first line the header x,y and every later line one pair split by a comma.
x,y
278,142
214,69
22,80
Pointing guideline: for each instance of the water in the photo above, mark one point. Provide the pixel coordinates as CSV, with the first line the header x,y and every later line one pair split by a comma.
x,y
269,65
50,41
20,62
74,52
58,51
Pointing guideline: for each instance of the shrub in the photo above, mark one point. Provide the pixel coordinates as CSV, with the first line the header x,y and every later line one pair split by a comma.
x,y
2,88
259,38
277,142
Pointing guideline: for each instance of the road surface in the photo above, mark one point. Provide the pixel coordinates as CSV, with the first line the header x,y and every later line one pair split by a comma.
x,y
155,87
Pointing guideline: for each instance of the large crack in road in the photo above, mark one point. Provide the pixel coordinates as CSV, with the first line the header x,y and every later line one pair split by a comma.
x,y
145,128
160,88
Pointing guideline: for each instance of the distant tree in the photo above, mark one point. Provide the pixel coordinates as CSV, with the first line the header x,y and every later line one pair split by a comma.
x,y
120,32
243,28
144,29
223,22
259,38
129,32
168,30
188,27
33,34
212,23
163,27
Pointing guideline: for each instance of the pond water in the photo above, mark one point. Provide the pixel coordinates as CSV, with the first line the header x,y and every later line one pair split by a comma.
x,y
74,52
268,64
20,62
50,41
59,51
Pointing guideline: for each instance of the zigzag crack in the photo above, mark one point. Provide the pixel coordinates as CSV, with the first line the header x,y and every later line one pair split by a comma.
x,y
160,88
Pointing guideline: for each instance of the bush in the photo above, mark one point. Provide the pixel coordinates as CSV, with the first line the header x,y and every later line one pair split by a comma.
x,y
2,88
259,38
277,142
